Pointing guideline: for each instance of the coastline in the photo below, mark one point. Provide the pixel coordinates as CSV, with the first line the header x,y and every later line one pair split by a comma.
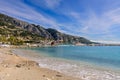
x,y
85,71
14,67
82,70
29,66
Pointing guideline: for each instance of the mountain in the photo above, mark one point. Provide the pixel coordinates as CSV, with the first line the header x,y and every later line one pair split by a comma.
x,y
26,32
67,38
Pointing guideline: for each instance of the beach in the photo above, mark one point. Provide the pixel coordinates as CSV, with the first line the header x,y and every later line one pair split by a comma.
x,y
26,64
14,67
54,58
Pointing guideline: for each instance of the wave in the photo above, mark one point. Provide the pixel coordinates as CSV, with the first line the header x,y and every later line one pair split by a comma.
x,y
82,70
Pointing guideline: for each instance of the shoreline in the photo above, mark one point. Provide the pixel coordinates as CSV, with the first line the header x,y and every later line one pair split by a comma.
x,y
15,67
33,53
84,71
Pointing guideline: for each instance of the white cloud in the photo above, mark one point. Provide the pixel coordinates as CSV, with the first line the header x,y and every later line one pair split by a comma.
x,y
52,3
23,11
95,24
74,15
86,23
107,41
114,15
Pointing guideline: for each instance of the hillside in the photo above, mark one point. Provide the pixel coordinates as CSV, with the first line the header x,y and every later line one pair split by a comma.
x,y
21,32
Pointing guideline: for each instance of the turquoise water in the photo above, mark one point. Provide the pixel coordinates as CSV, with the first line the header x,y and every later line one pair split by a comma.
x,y
86,62
100,55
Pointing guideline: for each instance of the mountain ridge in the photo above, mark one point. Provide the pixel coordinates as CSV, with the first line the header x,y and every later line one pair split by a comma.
x,y
41,32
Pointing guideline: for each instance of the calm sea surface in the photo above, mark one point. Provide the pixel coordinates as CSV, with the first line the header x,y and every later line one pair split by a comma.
x,y
86,62
101,55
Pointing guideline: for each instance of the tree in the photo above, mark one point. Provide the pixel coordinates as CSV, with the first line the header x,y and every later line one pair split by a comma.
x,y
14,41
3,39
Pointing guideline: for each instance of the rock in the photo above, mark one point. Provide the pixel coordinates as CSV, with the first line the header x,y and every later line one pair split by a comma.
x,y
59,75
50,34
43,75
18,65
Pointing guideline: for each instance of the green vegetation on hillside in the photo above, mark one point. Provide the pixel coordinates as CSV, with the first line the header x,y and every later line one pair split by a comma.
x,y
17,32
17,36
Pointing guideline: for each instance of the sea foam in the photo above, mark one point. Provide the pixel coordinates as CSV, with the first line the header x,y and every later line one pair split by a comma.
x,y
71,68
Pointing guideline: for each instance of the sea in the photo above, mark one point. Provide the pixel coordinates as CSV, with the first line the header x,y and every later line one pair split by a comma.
x,y
86,62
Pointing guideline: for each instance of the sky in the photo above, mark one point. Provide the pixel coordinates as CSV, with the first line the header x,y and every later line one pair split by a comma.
x,y
96,20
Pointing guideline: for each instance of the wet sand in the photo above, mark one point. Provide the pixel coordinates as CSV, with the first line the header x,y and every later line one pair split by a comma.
x,y
81,70
14,67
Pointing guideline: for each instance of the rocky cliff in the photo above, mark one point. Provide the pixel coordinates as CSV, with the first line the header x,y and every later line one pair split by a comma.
x,y
41,32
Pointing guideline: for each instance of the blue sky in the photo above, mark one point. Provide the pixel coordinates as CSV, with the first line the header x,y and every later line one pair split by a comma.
x,y
97,20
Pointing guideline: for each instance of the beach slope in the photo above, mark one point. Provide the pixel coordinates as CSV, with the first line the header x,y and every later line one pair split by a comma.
x,y
14,67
